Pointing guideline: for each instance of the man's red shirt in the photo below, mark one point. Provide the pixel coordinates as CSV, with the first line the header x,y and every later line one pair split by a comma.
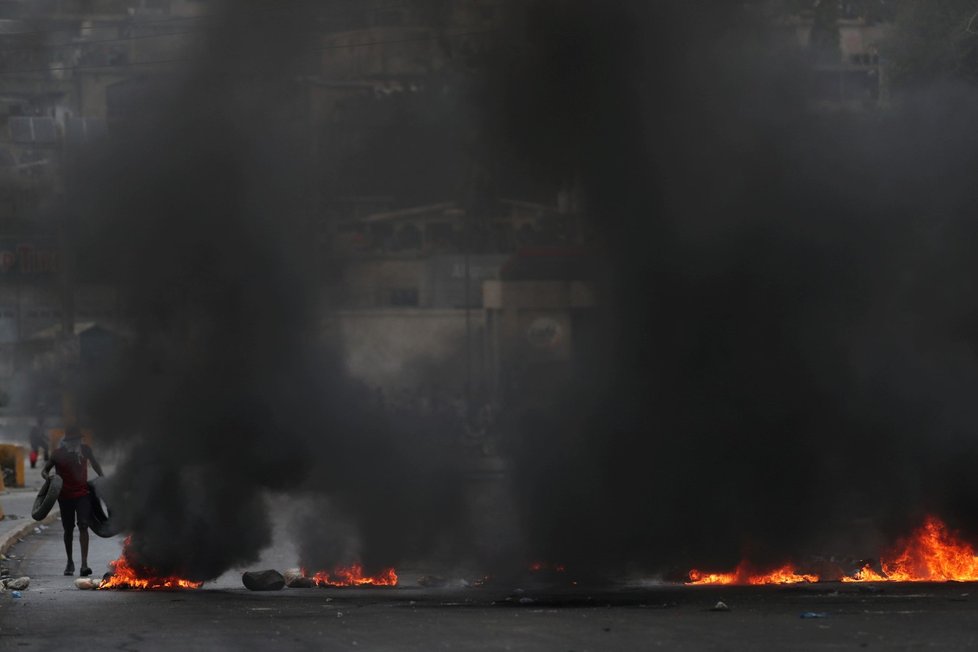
x,y
73,469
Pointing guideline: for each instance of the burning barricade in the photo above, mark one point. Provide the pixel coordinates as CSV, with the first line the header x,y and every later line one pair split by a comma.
x,y
932,553
298,578
353,576
125,575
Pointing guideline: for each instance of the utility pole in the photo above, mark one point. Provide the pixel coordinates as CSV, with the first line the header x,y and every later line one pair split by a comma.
x,y
68,343
468,317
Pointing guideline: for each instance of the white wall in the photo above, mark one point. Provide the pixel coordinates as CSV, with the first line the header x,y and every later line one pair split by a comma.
x,y
405,349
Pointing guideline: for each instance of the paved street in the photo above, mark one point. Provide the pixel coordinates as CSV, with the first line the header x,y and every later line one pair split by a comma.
x,y
16,504
52,614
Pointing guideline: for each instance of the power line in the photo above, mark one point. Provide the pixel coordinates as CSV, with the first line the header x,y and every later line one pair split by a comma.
x,y
81,44
367,10
347,46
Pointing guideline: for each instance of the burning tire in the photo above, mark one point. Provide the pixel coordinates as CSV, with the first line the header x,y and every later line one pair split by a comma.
x,y
46,497
101,524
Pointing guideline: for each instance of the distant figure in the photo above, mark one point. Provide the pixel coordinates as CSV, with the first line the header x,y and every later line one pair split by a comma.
x,y
70,460
39,441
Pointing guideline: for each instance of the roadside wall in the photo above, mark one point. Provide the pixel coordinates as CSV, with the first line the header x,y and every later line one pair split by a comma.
x,y
409,349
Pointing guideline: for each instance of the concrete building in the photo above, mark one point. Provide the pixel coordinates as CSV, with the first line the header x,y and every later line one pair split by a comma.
x,y
854,76
533,331
61,63
411,227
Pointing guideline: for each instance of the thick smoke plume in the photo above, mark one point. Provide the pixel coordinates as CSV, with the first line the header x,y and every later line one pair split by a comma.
x,y
788,348
201,214
786,339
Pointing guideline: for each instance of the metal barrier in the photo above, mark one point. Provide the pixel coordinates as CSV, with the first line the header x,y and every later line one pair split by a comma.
x,y
11,465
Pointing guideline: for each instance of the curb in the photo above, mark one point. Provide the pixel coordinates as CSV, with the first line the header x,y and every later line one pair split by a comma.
x,y
7,541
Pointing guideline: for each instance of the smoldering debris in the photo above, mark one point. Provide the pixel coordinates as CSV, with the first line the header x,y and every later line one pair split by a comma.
x,y
266,580
295,578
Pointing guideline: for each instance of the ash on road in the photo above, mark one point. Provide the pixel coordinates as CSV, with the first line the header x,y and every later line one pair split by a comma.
x,y
53,614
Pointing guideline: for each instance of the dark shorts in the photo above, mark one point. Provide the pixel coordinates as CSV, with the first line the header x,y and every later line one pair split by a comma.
x,y
73,509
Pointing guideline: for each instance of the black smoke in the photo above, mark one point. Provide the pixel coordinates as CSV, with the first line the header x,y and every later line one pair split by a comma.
x,y
787,355
784,344
198,210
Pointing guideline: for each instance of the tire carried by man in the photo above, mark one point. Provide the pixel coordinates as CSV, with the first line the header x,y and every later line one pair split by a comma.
x,y
101,523
47,497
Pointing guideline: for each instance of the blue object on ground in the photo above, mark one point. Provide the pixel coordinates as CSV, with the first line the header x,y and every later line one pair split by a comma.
x,y
814,614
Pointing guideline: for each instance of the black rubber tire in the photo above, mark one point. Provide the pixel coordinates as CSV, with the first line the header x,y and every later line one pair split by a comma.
x,y
101,524
46,497
98,512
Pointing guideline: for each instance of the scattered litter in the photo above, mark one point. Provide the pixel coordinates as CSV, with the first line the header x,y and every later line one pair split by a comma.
x,y
37,530
19,584
87,583
339,614
526,600
16,594
813,614
720,606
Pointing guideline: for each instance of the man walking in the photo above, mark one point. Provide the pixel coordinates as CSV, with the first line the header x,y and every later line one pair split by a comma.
x,y
70,460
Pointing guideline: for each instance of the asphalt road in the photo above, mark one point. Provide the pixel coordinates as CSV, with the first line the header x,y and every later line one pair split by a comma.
x,y
53,615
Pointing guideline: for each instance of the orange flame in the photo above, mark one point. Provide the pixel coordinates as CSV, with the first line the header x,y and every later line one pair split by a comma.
x,y
784,575
353,576
125,576
931,554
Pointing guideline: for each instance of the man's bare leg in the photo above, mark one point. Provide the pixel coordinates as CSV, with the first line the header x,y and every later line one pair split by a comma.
x,y
83,540
69,537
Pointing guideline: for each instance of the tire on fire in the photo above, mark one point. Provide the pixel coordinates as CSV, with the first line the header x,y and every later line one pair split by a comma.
x,y
101,524
46,497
